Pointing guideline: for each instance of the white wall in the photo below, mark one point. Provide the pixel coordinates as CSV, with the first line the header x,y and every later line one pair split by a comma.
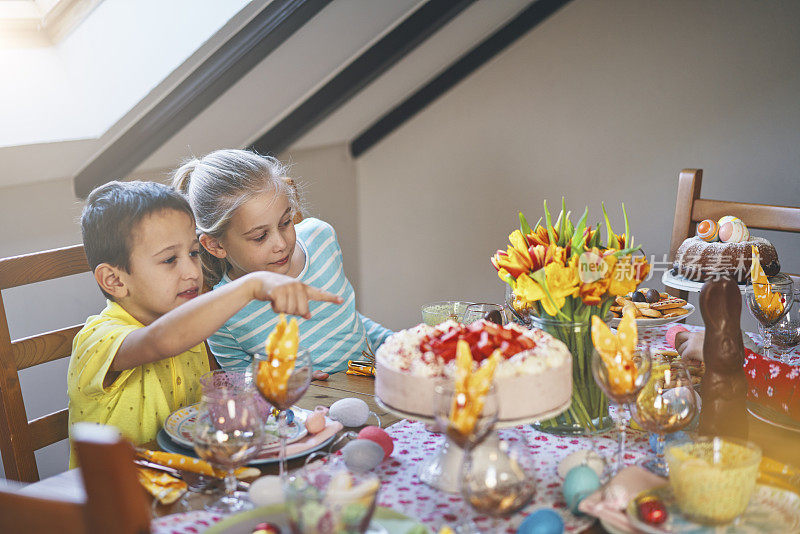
x,y
607,100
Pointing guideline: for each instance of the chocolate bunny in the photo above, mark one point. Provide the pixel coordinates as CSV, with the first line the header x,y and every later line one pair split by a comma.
x,y
724,386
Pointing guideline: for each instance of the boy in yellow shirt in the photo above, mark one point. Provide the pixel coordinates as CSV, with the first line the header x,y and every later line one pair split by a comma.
x,y
140,358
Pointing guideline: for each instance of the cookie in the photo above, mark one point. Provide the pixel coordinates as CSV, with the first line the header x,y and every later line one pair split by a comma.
x,y
668,304
650,313
675,312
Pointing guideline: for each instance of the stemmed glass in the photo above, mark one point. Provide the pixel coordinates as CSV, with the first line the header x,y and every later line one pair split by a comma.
x,y
282,398
785,334
667,403
779,283
228,433
445,401
498,476
605,374
483,310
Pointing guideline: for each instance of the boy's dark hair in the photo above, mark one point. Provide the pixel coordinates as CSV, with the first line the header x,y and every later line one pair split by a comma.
x,y
112,212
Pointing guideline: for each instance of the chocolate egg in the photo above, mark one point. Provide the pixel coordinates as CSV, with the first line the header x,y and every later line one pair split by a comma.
x,y
362,455
350,411
708,230
315,422
652,296
734,231
379,436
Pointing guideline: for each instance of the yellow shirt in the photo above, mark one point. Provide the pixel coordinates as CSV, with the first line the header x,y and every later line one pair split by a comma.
x,y
140,399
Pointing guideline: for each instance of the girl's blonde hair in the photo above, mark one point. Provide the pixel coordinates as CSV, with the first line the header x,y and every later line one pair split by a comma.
x,y
218,183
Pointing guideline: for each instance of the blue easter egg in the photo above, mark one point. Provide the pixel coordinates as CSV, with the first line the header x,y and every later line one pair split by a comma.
x,y
544,521
289,417
579,483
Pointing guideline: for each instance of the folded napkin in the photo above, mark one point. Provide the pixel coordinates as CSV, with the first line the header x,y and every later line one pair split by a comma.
x,y
609,502
162,486
193,465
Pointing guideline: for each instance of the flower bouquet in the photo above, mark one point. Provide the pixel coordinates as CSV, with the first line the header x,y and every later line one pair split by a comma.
x,y
559,275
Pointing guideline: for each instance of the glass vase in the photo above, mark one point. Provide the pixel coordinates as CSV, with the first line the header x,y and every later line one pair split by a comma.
x,y
588,413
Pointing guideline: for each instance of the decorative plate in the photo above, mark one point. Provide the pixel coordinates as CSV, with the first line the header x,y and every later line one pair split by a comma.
x,y
771,417
383,520
166,444
645,322
680,282
180,423
770,510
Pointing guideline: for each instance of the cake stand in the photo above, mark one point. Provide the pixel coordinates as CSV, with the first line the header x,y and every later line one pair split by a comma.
x,y
684,284
440,471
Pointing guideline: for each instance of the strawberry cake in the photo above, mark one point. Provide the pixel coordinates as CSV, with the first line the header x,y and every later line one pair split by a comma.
x,y
535,377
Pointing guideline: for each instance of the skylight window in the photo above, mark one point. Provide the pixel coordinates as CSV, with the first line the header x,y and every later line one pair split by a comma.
x,y
40,22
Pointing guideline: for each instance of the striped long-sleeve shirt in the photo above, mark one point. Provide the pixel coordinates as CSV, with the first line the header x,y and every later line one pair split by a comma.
x,y
334,334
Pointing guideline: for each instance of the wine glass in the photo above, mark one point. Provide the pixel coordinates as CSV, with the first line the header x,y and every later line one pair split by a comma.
x,y
498,476
228,433
667,403
446,400
484,310
779,283
622,382
785,334
280,397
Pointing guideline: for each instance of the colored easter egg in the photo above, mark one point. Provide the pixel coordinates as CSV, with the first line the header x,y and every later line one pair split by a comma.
x,y
315,422
579,483
585,456
266,490
542,521
708,230
362,455
350,412
734,231
266,528
725,219
379,436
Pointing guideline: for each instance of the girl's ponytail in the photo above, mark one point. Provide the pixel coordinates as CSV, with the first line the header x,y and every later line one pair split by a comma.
x,y
218,183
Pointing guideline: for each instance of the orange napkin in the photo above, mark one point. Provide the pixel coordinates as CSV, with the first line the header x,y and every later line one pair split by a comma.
x,y
617,351
471,388
281,350
162,486
770,302
193,465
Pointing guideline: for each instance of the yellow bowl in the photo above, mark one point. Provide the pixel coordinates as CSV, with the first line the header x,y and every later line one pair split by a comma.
x,y
713,478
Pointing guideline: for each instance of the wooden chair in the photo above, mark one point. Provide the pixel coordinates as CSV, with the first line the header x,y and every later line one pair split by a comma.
x,y
114,500
19,438
691,209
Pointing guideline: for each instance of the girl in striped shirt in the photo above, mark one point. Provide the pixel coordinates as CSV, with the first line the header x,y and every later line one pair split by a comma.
x,y
247,214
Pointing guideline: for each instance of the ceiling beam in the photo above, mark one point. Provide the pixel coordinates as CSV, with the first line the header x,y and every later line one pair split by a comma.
x,y
235,58
381,56
528,19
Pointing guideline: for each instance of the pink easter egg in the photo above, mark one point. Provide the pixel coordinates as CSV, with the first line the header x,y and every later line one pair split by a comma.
x,y
315,422
673,332
734,231
379,436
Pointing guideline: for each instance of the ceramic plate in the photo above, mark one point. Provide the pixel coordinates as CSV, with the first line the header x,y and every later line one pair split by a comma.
x,y
180,423
770,510
771,417
644,322
166,444
243,523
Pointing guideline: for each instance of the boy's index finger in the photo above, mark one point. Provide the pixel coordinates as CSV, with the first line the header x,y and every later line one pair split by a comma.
x,y
318,294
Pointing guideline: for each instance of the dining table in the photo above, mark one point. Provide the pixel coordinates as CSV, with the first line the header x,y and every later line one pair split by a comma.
x,y
414,441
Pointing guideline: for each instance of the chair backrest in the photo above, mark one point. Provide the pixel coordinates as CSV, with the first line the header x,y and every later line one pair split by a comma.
x,y
114,500
19,438
691,209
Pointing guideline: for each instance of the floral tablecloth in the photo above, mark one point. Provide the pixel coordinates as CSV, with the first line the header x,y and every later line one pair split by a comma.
x,y
402,490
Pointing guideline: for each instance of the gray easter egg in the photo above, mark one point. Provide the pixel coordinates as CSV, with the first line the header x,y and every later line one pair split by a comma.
x,y
362,455
349,412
